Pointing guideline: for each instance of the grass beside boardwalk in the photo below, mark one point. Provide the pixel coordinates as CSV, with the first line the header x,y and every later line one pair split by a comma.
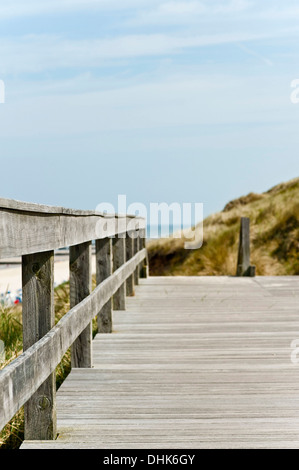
x,y
12,435
274,217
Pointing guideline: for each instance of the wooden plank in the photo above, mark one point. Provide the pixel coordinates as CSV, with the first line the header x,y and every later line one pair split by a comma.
x,y
243,266
46,209
119,254
144,267
27,231
103,271
38,319
21,378
80,288
129,255
136,248
193,363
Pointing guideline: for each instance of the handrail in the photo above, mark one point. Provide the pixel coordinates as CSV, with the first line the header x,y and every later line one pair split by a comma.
x,y
34,232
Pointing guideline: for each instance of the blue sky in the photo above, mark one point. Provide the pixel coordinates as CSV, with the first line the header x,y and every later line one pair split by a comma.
x,y
163,101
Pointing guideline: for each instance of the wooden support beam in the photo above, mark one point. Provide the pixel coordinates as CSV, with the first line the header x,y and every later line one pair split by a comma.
x,y
129,255
103,271
119,253
38,320
80,288
20,379
144,265
136,249
243,267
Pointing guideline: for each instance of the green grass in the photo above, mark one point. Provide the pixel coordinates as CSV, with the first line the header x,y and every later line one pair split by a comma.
x,y
12,435
274,217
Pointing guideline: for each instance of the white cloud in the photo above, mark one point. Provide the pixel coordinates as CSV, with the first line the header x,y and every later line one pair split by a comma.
x,y
180,12
19,8
37,53
170,102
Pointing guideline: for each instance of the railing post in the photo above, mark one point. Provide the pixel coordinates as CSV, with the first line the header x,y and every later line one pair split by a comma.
x,y
104,270
38,319
80,287
243,267
136,249
129,255
119,253
144,264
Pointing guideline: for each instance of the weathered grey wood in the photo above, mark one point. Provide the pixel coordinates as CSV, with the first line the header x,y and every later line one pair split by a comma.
x,y
38,319
27,231
136,249
197,362
243,266
119,254
22,378
80,288
103,271
129,255
42,208
144,269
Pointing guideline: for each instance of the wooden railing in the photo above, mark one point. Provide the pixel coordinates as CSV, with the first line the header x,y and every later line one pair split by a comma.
x,y
34,231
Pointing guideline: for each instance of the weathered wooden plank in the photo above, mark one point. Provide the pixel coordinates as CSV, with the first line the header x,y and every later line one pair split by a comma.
x,y
80,288
38,319
27,231
129,255
119,257
136,248
59,210
103,271
243,266
144,267
20,379
189,370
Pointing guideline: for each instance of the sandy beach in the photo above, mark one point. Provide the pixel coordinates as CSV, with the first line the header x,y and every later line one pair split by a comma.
x,y
11,274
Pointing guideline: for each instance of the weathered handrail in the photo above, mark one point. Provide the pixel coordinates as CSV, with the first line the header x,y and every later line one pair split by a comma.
x,y
34,232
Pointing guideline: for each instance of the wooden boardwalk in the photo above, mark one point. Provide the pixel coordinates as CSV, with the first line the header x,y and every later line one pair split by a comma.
x,y
193,362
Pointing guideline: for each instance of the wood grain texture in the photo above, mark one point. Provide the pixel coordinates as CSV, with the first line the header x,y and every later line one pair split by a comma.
x,y
136,249
198,362
119,258
103,271
31,228
38,319
243,265
80,288
22,377
129,255
144,267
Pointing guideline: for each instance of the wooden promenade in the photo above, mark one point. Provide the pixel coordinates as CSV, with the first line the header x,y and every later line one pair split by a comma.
x,y
194,362
199,362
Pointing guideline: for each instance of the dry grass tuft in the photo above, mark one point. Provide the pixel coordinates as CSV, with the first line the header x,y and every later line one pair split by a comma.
x,y
274,219
11,330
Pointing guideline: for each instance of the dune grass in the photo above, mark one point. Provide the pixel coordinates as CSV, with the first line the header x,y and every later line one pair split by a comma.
x,y
274,217
12,435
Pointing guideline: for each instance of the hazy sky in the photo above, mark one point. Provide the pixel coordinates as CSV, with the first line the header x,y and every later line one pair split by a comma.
x,y
163,101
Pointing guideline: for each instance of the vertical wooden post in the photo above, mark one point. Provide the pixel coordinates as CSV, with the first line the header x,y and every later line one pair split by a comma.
x,y
104,270
136,249
80,287
144,264
119,298
129,255
38,319
243,267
